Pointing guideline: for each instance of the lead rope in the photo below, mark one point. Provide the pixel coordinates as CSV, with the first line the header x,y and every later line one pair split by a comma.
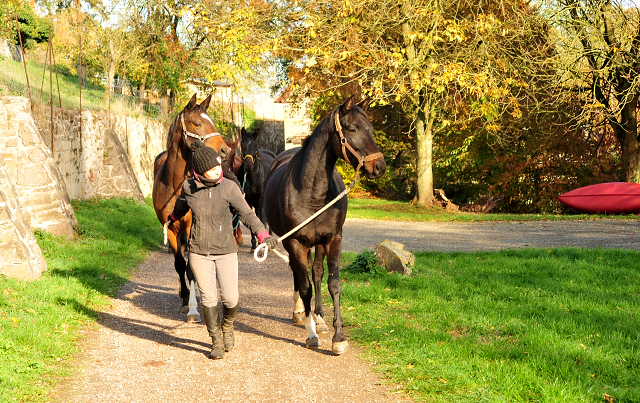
x,y
356,177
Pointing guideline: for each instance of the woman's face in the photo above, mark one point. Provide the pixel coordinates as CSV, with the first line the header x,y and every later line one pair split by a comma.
x,y
214,173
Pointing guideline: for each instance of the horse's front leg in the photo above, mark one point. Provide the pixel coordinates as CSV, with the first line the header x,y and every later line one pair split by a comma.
x,y
299,262
333,250
192,313
318,273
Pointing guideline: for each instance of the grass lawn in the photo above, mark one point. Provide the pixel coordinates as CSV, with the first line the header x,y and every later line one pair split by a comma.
x,y
380,209
41,320
514,326
13,82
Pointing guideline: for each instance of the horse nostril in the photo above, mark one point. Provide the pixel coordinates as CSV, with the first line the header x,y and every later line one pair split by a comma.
x,y
380,168
224,151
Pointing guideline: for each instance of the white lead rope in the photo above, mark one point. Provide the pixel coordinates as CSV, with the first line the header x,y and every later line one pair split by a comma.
x,y
264,246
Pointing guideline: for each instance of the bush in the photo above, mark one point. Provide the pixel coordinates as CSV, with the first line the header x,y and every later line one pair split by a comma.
x,y
365,262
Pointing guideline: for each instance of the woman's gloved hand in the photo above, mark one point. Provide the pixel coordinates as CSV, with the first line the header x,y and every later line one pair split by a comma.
x,y
271,241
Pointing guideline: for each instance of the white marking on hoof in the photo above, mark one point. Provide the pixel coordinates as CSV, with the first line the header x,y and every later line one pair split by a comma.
x,y
193,315
340,347
313,343
194,318
321,325
298,318
310,325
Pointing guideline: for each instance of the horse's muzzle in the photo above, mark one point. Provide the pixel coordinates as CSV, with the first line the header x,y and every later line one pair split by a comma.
x,y
375,169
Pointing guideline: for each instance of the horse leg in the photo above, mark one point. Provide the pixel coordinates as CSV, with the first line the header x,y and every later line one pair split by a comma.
x,y
298,306
299,262
318,273
181,268
192,314
333,250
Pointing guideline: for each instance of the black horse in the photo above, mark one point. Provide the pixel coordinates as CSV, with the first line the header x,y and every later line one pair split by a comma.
x,y
253,173
301,181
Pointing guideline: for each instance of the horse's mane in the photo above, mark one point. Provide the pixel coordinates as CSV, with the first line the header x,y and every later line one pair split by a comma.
x,y
174,130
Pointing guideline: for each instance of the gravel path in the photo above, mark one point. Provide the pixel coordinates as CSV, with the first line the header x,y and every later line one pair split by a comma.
x,y
142,349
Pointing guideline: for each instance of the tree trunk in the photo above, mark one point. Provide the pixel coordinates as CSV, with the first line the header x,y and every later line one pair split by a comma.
x,y
628,132
424,149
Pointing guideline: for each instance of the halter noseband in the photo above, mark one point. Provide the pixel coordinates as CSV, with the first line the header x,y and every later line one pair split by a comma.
x,y
251,156
345,145
194,135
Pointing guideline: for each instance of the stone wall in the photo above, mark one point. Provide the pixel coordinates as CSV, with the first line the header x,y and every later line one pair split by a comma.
x,y
113,156
33,194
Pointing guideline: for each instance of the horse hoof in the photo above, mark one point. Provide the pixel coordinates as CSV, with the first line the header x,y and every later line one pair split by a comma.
x,y
322,328
184,309
299,318
339,347
313,343
193,319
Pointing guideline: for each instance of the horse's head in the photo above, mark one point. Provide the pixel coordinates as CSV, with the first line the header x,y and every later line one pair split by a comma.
x,y
249,146
354,139
196,124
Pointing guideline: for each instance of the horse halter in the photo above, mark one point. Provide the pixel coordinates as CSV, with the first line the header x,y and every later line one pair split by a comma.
x,y
194,135
251,156
345,145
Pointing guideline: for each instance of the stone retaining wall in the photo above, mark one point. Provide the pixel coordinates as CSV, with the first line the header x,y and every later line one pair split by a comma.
x,y
112,156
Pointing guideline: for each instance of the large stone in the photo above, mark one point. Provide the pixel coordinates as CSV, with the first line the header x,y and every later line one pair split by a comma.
x,y
392,256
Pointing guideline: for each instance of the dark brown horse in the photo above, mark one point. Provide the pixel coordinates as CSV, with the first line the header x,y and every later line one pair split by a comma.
x,y
253,173
171,168
300,183
235,162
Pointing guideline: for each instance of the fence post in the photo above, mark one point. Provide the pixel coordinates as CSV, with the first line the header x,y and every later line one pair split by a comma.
x,y
24,60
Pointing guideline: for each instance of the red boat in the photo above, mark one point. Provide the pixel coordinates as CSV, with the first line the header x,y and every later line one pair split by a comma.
x,y
604,198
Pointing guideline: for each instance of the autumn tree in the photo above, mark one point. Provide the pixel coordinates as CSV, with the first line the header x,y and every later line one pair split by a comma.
x,y
443,63
599,49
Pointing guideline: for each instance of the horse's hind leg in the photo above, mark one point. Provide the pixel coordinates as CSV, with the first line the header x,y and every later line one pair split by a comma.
x,y
299,262
333,250
318,273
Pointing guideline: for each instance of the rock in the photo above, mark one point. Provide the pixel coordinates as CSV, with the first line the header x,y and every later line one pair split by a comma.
x,y
393,257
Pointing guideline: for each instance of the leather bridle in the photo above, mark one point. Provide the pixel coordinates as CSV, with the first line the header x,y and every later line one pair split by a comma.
x,y
195,135
345,145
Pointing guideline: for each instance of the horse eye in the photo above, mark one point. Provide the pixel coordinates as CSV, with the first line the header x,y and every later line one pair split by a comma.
x,y
197,124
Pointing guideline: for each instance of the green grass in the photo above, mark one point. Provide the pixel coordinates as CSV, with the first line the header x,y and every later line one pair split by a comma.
x,y
13,82
512,326
41,320
380,209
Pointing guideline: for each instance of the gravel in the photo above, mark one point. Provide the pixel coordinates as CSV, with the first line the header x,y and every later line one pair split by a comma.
x,y
143,350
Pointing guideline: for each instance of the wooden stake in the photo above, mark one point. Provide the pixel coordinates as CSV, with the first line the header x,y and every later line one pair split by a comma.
x,y
24,60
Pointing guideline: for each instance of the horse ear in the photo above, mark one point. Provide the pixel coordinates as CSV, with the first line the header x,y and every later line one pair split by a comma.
x,y
243,132
205,104
346,107
256,133
364,105
192,102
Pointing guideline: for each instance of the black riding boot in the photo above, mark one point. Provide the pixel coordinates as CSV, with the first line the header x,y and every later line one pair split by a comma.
x,y
228,316
212,320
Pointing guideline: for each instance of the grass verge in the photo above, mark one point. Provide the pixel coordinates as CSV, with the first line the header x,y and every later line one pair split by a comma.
x,y
41,320
390,210
522,325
